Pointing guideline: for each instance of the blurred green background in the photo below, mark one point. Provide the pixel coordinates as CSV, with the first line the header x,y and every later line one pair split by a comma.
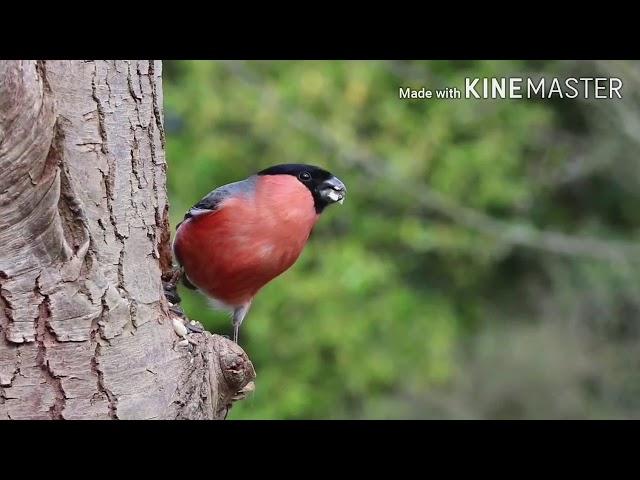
x,y
483,265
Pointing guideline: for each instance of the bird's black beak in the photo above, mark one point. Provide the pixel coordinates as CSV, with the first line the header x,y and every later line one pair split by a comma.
x,y
333,190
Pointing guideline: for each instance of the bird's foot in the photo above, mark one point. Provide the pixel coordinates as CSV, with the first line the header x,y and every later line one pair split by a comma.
x,y
171,287
172,296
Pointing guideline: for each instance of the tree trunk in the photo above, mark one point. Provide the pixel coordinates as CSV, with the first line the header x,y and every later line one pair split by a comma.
x,y
84,241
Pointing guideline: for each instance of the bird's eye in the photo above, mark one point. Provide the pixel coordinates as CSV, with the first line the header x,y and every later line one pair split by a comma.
x,y
304,176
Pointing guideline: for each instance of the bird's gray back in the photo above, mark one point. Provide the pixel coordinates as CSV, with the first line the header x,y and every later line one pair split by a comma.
x,y
213,199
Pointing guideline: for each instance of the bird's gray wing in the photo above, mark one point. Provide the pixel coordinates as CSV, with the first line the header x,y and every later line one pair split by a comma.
x,y
213,199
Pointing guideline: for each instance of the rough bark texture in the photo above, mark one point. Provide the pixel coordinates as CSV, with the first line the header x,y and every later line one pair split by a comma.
x,y
85,330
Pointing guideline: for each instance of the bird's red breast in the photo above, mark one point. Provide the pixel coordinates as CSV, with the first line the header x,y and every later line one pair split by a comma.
x,y
232,252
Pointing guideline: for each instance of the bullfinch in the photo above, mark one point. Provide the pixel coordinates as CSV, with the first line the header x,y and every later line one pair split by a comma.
x,y
242,235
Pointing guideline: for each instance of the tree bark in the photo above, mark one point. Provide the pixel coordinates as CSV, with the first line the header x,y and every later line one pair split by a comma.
x,y
86,332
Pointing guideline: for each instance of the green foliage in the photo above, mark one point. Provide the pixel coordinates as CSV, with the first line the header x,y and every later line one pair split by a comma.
x,y
389,291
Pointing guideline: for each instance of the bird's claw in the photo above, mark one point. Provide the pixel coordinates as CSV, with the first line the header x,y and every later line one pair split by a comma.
x,y
171,294
171,287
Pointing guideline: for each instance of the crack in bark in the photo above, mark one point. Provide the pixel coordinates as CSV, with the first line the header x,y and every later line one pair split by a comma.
x,y
133,93
133,308
139,76
101,127
135,158
154,96
41,68
97,323
104,231
106,82
151,235
44,334
137,100
7,309
152,143
16,368
102,387
96,337
107,180
18,364
132,194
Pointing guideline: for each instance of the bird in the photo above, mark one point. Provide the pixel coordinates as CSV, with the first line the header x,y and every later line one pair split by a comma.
x,y
244,234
